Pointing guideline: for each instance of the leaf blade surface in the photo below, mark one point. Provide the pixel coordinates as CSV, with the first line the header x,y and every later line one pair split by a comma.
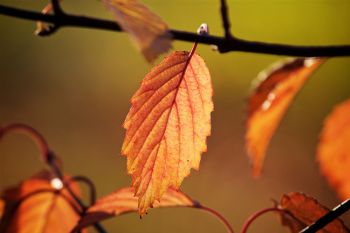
x,y
333,154
167,125
275,90
123,201
146,29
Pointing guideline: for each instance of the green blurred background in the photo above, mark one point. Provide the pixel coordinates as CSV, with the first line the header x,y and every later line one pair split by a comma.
x,y
75,86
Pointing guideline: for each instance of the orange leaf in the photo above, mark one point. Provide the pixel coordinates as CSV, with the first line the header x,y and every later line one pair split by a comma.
x,y
123,201
39,207
274,92
167,126
306,210
2,208
333,152
144,27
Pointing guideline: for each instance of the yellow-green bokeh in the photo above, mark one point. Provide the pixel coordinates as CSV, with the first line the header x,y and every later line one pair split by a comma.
x,y
75,86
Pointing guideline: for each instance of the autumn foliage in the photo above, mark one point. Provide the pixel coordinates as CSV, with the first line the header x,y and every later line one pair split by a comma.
x,y
145,28
40,204
275,89
166,130
333,150
167,125
123,201
300,210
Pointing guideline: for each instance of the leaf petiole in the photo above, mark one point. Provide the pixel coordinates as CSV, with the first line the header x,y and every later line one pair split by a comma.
x,y
32,133
257,214
217,215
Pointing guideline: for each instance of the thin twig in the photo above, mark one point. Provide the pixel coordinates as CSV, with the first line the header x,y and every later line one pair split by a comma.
x,y
216,214
225,19
90,184
328,218
253,217
224,45
33,134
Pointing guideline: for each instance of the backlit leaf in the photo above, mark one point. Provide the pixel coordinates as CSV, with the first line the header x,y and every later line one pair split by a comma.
x,y
274,91
144,27
167,126
333,152
123,201
38,207
306,210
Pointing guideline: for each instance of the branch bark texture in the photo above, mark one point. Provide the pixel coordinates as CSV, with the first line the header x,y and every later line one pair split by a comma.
x,y
224,44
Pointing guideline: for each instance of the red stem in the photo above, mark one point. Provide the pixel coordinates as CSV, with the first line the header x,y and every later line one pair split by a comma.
x,y
219,216
254,216
193,50
32,133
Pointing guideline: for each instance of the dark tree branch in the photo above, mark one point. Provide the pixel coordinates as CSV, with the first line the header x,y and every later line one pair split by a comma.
x,y
56,7
328,218
225,19
224,45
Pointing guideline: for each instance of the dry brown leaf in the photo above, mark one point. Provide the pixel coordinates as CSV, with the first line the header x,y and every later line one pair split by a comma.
x,y
333,152
167,126
38,207
306,210
274,91
293,224
144,27
123,201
